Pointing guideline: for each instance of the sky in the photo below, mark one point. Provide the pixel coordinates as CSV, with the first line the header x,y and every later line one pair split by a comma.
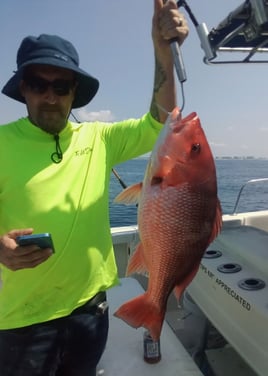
x,y
113,39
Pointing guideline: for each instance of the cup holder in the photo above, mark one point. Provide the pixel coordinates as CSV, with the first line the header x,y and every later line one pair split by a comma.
x,y
212,253
251,284
229,268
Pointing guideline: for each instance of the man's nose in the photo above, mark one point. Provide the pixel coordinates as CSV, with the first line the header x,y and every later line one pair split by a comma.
x,y
50,95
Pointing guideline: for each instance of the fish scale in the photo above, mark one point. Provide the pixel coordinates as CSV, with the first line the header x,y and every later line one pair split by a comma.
x,y
179,214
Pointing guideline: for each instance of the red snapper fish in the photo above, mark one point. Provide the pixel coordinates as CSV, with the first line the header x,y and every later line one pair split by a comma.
x,y
179,215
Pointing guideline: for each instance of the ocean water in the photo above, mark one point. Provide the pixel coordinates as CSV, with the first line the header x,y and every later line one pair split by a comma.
x,y
231,175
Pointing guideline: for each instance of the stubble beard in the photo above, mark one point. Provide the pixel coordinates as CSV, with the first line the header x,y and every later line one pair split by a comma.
x,y
50,120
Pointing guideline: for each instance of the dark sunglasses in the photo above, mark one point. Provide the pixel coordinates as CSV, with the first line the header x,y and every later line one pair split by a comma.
x,y
39,85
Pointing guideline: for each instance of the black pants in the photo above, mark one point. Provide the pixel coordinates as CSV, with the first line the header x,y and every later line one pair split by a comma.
x,y
69,346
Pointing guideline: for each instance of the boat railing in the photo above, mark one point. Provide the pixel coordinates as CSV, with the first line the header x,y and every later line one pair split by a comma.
x,y
252,181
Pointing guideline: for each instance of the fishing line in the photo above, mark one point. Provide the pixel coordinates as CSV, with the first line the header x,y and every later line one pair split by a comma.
x,y
75,118
162,109
183,3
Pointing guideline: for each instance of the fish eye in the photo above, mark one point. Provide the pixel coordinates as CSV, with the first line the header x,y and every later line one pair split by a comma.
x,y
196,148
156,180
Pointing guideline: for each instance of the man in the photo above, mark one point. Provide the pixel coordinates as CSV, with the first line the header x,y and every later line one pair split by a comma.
x,y
55,178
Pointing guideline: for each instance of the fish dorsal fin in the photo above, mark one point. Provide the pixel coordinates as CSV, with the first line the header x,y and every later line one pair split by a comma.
x,y
130,195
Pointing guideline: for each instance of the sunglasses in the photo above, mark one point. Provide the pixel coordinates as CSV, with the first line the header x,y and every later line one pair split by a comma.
x,y
39,85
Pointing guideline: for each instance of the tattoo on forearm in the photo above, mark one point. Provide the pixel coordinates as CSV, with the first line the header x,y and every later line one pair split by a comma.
x,y
154,110
160,78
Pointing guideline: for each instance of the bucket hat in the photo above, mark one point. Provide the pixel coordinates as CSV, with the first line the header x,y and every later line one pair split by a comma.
x,y
56,51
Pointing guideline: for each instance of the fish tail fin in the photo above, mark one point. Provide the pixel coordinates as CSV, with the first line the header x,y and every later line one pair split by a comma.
x,y
129,195
139,312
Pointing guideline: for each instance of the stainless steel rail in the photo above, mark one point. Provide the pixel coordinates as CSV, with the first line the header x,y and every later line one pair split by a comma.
x,y
242,188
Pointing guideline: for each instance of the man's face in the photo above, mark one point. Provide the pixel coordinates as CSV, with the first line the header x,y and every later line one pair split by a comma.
x,y
49,93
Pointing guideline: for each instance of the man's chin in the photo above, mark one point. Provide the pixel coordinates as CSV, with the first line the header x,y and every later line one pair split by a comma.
x,y
52,124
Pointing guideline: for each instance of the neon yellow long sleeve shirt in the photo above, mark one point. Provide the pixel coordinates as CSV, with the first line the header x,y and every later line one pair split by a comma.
x,y
69,200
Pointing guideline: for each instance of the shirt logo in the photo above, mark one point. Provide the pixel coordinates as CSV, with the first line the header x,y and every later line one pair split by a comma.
x,y
85,151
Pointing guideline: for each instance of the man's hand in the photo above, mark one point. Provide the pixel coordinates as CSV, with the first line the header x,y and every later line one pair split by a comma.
x,y
14,257
168,24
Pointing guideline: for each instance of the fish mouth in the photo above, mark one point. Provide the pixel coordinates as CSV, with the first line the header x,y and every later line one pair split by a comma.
x,y
178,124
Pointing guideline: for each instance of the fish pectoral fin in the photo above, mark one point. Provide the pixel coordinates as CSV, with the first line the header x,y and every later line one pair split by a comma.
x,y
137,263
217,224
129,195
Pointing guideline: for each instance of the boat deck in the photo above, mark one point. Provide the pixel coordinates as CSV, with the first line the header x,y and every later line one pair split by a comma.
x,y
124,350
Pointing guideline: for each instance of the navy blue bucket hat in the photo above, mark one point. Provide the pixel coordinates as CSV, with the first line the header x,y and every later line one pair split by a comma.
x,y
56,51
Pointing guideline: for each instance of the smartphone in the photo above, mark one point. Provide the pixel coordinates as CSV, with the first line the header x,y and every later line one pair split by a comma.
x,y
41,240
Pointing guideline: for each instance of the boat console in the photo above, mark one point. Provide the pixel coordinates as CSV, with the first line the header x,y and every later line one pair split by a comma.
x,y
231,287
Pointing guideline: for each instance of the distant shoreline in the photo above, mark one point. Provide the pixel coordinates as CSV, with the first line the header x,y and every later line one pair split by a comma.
x,y
246,157
225,157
